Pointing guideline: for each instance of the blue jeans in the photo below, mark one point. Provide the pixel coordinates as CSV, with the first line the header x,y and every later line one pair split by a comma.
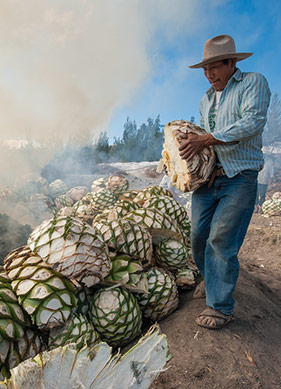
x,y
220,218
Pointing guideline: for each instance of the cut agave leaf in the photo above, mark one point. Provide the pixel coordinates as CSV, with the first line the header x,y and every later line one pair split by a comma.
x,y
97,368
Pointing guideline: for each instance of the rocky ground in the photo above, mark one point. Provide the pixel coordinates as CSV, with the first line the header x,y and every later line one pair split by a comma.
x,y
246,353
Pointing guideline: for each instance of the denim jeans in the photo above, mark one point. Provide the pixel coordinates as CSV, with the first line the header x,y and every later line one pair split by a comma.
x,y
220,218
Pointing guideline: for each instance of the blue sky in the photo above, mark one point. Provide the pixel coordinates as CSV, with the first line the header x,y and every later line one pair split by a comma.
x,y
72,68
173,90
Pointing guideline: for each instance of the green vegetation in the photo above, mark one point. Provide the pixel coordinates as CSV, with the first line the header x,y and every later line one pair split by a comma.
x,y
137,144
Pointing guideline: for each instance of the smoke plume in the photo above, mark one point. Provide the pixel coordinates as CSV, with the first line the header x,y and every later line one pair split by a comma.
x,y
67,65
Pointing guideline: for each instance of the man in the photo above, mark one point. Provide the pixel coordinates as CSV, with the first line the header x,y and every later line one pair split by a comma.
x,y
265,178
233,113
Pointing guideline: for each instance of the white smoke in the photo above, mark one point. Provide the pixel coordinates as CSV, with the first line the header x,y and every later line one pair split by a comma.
x,y
66,65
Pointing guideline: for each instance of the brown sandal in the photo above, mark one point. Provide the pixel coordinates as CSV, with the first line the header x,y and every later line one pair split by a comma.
x,y
212,319
199,292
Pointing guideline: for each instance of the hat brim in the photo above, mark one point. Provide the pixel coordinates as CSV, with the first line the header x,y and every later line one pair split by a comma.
x,y
237,56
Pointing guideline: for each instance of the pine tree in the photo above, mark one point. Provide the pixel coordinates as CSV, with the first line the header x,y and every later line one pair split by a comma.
x,y
143,144
102,144
155,140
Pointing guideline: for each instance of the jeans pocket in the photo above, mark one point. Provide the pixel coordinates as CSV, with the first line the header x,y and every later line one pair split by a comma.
x,y
250,174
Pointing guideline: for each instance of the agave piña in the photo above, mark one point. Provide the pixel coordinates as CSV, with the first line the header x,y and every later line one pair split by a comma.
x,y
47,296
73,248
116,315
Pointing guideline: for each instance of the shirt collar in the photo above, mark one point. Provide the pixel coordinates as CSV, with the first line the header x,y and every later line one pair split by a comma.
x,y
236,76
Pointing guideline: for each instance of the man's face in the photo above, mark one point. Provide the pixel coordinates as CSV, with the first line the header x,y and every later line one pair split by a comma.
x,y
219,73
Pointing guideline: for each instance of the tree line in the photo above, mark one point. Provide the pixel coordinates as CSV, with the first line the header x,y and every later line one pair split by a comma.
x,y
137,144
143,143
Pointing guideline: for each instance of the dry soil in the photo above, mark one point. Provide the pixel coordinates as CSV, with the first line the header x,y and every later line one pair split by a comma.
x,y
247,352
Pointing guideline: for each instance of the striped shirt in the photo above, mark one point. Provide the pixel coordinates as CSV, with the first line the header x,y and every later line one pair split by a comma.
x,y
240,121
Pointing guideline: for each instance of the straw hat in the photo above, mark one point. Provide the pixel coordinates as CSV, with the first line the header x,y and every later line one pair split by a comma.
x,y
218,48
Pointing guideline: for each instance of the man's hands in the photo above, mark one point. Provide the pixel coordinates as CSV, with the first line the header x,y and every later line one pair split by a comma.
x,y
191,144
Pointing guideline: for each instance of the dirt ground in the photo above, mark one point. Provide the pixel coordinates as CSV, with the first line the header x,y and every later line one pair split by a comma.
x,y
246,353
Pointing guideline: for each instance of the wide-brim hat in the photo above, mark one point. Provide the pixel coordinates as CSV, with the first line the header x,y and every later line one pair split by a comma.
x,y
218,48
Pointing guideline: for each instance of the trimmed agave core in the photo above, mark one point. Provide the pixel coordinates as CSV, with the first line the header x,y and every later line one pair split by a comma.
x,y
185,175
73,248
116,315
47,296
162,297
126,237
173,254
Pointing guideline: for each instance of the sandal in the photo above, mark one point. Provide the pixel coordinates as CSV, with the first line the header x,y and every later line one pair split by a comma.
x,y
200,292
212,319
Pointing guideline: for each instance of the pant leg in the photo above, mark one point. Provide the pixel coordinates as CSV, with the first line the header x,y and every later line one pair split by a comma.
x,y
203,206
236,200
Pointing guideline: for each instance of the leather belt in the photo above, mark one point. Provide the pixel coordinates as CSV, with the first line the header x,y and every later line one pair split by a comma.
x,y
217,172
220,171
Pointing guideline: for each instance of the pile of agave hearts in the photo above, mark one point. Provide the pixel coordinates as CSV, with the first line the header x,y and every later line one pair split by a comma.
x,y
272,206
94,271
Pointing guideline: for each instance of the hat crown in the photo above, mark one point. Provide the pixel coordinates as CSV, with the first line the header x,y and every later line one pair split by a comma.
x,y
218,48
219,45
